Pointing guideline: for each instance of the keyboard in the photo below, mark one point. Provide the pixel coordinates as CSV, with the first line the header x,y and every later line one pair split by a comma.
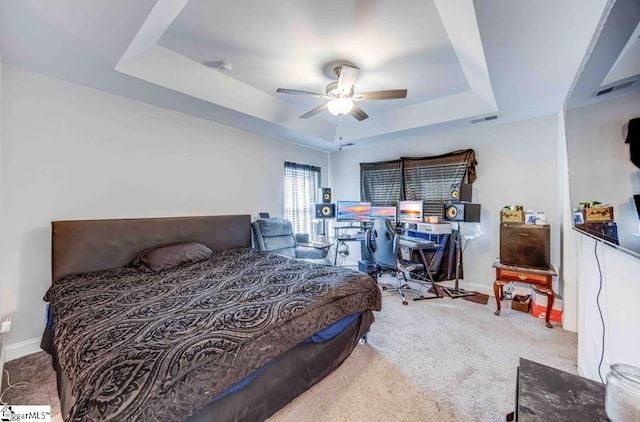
x,y
417,240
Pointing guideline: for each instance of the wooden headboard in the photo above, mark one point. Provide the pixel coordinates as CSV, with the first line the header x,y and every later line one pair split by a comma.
x,y
91,245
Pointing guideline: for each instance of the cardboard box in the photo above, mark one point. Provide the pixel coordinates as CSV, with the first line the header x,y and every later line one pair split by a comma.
x,y
541,312
521,303
597,214
539,306
509,216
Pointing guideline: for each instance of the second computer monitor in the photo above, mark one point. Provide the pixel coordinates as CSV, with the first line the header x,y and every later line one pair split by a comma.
x,y
410,211
384,212
353,211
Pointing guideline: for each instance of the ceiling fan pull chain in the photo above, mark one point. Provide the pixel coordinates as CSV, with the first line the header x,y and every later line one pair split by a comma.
x,y
340,127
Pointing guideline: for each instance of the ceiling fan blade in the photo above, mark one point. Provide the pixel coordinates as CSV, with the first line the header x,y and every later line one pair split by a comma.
x,y
347,78
298,92
381,95
313,112
358,113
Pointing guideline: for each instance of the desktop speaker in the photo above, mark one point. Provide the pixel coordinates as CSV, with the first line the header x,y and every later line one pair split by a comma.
x,y
462,211
325,194
325,210
461,192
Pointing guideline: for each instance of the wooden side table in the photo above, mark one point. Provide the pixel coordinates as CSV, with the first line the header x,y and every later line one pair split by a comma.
x,y
540,278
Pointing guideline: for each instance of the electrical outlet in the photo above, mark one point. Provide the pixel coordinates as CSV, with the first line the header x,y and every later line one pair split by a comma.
x,y
6,326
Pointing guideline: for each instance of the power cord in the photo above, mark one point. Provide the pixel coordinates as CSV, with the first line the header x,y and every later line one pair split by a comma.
x,y
595,252
10,386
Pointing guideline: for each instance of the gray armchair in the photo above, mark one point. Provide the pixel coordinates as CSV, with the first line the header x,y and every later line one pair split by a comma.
x,y
276,235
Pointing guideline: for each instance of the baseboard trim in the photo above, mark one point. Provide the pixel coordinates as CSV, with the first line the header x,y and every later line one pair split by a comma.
x,y
23,348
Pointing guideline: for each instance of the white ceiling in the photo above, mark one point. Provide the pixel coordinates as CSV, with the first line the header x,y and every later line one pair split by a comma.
x,y
459,59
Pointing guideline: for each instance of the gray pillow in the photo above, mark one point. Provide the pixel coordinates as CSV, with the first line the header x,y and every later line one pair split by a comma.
x,y
164,257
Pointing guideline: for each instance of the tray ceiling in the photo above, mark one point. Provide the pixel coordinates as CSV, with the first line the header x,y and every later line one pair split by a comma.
x,y
459,60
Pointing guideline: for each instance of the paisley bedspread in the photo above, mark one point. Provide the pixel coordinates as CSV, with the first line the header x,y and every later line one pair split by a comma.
x,y
144,346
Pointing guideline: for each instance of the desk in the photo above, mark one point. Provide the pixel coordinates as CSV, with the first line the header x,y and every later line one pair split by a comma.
x,y
547,394
540,278
359,236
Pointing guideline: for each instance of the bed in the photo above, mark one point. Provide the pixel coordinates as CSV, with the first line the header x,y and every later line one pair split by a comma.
x,y
235,336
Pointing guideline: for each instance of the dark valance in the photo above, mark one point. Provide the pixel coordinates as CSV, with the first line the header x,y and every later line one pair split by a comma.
x,y
462,157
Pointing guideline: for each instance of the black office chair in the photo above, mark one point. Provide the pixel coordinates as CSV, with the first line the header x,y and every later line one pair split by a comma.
x,y
387,255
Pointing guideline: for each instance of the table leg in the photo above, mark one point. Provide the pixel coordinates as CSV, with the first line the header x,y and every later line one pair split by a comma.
x,y
550,298
497,291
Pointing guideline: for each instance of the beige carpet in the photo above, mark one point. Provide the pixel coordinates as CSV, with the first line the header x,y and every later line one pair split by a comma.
x,y
432,360
367,387
36,370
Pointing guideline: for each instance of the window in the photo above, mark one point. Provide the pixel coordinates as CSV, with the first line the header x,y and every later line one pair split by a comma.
x,y
381,183
427,178
301,185
430,180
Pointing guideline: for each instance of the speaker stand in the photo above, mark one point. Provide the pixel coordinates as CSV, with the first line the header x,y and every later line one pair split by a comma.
x,y
457,292
325,231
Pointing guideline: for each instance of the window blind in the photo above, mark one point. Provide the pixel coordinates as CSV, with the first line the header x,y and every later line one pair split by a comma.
x,y
381,182
301,185
432,182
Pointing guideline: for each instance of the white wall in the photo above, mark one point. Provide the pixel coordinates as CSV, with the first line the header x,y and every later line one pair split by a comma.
x,y
1,173
619,301
568,264
2,350
517,164
69,152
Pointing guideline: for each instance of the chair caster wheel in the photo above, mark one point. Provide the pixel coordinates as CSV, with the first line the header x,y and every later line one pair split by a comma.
x,y
405,303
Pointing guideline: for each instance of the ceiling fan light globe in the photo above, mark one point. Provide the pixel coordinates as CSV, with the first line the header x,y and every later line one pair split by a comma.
x,y
340,106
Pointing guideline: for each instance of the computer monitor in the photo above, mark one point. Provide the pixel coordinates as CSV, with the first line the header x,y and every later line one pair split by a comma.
x,y
410,211
384,212
353,211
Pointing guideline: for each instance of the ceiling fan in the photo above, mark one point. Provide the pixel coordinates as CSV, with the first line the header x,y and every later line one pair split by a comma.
x,y
341,94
